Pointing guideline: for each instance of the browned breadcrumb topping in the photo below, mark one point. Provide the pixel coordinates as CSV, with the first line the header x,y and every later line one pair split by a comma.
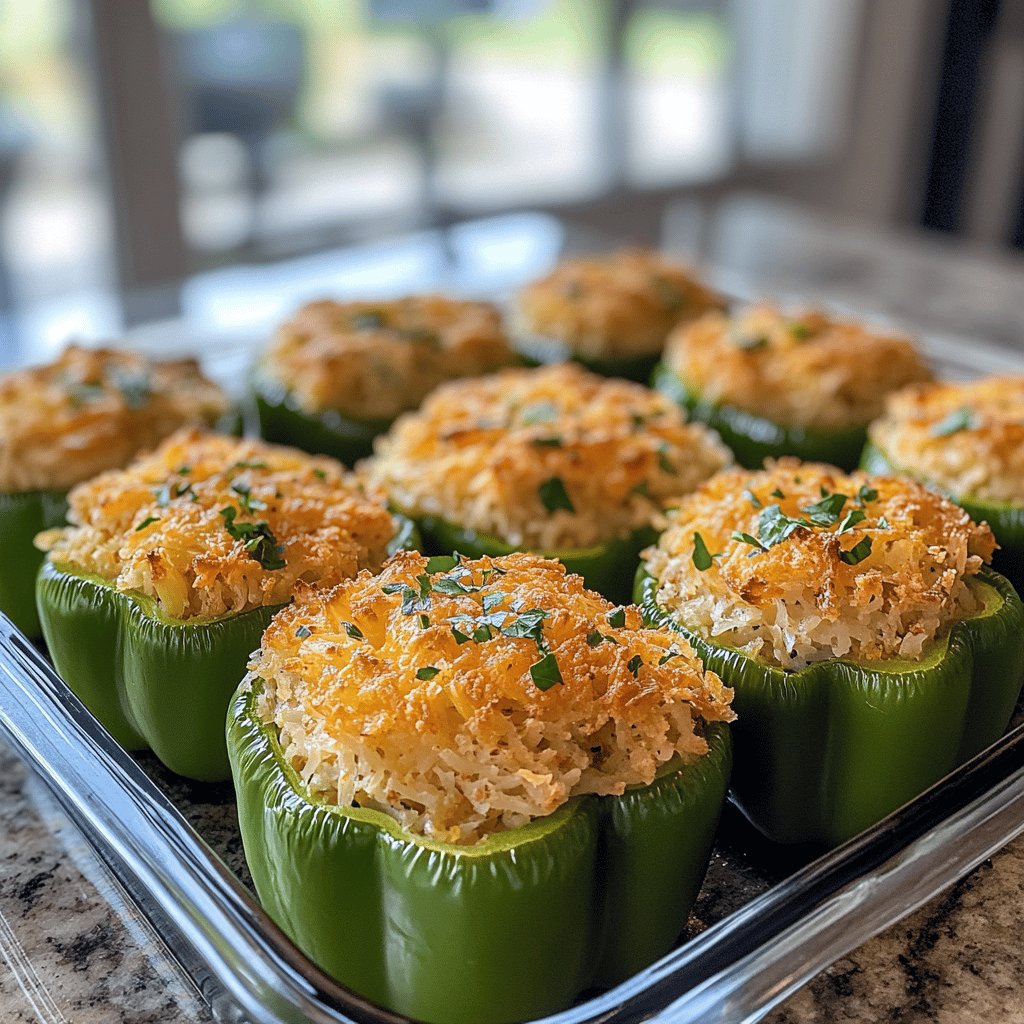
x,y
373,360
802,370
486,453
967,438
804,563
92,409
414,692
619,304
211,526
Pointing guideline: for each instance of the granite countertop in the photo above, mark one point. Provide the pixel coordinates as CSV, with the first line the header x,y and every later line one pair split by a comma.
x,y
74,948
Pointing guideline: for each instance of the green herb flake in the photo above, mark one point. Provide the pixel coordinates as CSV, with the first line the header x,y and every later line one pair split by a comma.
x,y
827,511
960,419
135,388
369,320
460,637
866,494
634,664
493,599
303,631
183,470
250,464
552,441
320,474
799,330
749,342
666,464
778,494
883,523
424,621
427,672
858,552
617,617
702,558
774,526
148,521
245,499
753,499
257,539
745,538
643,489
851,519
672,652
545,673
529,624
595,638
553,495
353,631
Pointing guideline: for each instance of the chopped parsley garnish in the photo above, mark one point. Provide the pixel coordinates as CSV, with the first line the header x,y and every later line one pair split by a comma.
x,y
537,412
774,526
424,621
800,331
460,637
617,617
672,652
257,539
413,600
493,599
352,630
778,494
183,470
866,494
752,498
553,441
634,664
851,519
883,523
638,419
303,631
553,495
959,419
745,538
427,672
702,558
858,552
245,499
148,521
451,584
827,511
527,624
595,638
643,489
319,474
545,673
250,464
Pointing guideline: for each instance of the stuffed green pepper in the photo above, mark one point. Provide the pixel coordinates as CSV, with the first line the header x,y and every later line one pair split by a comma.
x,y
338,373
554,460
773,384
967,441
470,791
153,599
870,647
87,411
611,312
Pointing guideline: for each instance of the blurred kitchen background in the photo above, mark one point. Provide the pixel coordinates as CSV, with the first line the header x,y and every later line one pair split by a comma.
x,y
210,163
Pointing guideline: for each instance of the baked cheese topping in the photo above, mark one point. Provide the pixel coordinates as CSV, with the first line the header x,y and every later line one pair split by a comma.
x,y
550,458
472,697
801,563
967,439
93,409
373,360
211,526
621,304
805,370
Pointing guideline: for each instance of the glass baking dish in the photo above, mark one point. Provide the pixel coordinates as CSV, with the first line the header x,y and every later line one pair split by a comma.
x,y
768,918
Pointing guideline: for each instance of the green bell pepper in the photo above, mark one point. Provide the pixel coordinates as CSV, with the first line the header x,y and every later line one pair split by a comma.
x,y
1006,521
607,568
824,752
153,682
753,438
328,432
540,351
509,929
23,514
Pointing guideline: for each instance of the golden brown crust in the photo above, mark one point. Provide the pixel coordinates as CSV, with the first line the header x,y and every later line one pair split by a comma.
x,y
159,527
805,370
92,410
373,360
967,438
897,567
621,304
479,453
363,664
